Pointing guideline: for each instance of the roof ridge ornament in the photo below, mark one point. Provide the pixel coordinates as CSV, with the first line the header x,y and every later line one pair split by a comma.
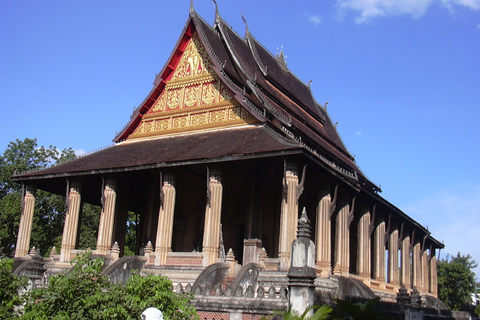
x,y
217,14
281,59
247,32
192,9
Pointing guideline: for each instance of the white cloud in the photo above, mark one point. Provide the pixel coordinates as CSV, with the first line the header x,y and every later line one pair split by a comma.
x,y
358,133
471,4
453,216
316,20
79,152
370,9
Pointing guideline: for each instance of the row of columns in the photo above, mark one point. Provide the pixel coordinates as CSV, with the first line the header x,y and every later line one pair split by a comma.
x,y
331,214
407,262
109,213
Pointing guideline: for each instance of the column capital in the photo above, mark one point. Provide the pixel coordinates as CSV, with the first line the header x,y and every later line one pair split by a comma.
x,y
76,185
291,166
31,189
168,177
214,172
110,182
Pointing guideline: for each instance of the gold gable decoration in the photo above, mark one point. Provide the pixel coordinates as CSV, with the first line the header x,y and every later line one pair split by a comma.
x,y
194,61
194,99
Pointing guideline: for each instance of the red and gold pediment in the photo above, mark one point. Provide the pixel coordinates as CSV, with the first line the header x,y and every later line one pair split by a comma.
x,y
194,99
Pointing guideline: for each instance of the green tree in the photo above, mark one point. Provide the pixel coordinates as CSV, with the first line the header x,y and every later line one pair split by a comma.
x,y
83,293
456,280
47,227
321,313
10,283
21,156
359,310
89,226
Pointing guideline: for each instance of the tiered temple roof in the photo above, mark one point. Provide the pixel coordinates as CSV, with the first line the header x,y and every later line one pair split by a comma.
x,y
221,97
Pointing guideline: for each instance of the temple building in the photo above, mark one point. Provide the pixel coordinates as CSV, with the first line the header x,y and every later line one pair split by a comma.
x,y
218,162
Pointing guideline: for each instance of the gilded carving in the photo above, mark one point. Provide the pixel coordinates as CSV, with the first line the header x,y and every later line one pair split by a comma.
x,y
159,104
217,116
179,122
194,61
225,93
209,93
139,129
174,98
191,95
193,99
199,119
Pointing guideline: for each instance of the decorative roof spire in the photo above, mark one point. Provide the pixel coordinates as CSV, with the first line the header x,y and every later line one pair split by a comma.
x,y
247,33
217,14
192,9
281,59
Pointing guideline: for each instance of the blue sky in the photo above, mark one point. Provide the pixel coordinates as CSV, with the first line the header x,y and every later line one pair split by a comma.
x,y
402,79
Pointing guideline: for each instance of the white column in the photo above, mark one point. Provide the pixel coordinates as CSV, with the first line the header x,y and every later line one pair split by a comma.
x,y
417,267
433,275
288,218
105,230
393,271
379,252
25,227
405,263
342,240
424,263
163,243
213,211
364,247
70,227
323,234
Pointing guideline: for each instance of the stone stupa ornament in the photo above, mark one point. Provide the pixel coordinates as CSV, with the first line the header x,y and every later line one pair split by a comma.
x,y
301,275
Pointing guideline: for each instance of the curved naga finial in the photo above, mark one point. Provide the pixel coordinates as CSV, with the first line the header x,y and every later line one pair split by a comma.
x,y
246,26
217,14
192,9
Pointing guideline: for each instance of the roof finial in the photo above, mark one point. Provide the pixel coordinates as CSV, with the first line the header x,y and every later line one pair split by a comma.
x,y
281,59
217,14
192,9
246,26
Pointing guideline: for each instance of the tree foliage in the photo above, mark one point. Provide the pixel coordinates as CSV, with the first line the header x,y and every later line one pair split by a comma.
x,y
321,313
10,283
47,227
456,280
21,156
359,310
83,293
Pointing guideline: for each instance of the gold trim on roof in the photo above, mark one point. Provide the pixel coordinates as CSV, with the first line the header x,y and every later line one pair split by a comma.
x,y
195,120
193,99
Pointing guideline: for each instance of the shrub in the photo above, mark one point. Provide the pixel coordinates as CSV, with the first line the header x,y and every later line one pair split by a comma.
x,y
83,293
